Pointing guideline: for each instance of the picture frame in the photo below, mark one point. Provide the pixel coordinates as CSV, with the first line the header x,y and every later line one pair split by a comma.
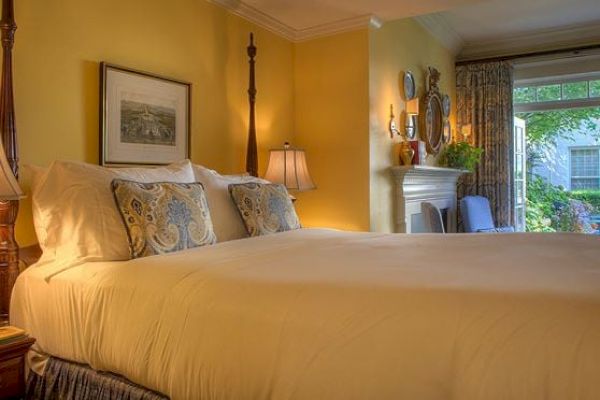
x,y
145,119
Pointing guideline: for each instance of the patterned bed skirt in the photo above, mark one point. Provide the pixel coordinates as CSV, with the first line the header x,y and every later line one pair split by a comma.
x,y
71,381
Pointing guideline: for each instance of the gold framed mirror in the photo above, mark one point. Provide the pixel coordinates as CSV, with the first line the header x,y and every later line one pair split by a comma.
x,y
433,117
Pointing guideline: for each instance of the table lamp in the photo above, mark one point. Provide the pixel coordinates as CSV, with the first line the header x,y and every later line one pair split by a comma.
x,y
288,167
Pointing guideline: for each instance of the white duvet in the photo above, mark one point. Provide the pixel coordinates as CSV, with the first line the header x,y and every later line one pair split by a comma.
x,y
320,314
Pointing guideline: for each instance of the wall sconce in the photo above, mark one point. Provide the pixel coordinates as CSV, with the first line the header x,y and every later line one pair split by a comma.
x,y
392,127
466,131
412,111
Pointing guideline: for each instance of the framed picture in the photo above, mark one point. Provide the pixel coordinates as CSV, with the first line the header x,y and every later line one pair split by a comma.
x,y
144,118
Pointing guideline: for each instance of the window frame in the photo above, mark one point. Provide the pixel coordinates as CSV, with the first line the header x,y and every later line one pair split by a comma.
x,y
557,104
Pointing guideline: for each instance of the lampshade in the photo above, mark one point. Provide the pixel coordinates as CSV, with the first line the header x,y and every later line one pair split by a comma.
x,y
9,187
465,130
288,167
412,106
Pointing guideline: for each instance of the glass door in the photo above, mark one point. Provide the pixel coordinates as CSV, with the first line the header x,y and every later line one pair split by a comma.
x,y
520,162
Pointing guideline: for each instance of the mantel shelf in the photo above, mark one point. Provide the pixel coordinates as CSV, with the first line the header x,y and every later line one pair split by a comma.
x,y
426,170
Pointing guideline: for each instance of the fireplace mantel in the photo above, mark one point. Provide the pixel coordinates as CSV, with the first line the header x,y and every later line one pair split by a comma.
x,y
418,183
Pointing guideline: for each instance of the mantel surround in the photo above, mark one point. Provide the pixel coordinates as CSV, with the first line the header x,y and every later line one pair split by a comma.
x,y
415,184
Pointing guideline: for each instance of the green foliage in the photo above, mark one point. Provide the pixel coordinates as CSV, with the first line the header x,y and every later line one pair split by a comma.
x,y
544,127
592,197
553,209
543,200
460,155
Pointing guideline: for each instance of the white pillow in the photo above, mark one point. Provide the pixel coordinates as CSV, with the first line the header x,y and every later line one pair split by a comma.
x,y
75,214
227,223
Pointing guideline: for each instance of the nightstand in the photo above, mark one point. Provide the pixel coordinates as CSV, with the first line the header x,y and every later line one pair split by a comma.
x,y
12,368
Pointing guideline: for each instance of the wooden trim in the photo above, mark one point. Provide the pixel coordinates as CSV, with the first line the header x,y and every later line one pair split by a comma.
x,y
527,55
9,249
252,149
104,66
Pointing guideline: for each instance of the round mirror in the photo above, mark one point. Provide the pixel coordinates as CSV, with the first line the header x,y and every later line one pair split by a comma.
x,y
434,123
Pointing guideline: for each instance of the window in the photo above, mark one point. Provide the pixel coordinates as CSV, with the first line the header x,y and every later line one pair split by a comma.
x,y
585,168
556,94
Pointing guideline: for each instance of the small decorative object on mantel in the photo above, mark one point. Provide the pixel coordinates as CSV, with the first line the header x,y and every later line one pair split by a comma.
x,y
460,155
420,154
406,153
145,118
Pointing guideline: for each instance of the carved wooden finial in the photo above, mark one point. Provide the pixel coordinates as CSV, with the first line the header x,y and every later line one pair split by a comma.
x,y
252,149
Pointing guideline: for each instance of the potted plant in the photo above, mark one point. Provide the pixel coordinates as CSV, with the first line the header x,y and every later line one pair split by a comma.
x,y
460,155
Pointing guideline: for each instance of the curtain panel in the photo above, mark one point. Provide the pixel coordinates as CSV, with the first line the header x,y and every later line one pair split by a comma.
x,y
485,101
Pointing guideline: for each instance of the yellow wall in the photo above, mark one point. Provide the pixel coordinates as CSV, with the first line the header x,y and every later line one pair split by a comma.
x,y
332,123
396,47
58,48
330,96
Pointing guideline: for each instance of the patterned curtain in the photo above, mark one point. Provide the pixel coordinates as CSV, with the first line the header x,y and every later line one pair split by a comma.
x,y
484,96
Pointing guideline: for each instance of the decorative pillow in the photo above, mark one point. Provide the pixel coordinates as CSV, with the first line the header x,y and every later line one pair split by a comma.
x,y
163,217
265,208
225,216
75,215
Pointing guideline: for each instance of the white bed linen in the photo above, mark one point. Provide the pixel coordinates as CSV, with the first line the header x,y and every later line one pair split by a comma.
x,y
321,314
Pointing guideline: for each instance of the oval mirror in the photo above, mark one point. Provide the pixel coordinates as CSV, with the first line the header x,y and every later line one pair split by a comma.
x,y
433,117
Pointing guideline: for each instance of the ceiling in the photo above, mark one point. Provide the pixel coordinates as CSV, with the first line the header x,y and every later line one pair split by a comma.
x,y
470,28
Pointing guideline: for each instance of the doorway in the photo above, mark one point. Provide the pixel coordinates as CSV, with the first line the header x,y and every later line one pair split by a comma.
x,y
557,154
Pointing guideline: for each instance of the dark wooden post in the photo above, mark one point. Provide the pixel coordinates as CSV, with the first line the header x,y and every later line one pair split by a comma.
x,y
9,250
252,150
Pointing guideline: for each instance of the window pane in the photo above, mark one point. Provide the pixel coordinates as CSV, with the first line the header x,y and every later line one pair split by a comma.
x,y
575,90
524,95
548,93
595,88
585,183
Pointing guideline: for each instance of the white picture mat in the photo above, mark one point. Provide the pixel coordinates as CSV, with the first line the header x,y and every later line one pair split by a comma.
x,y
123,85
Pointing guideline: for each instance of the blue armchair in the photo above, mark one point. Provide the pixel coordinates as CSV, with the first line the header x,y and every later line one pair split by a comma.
x,y
477,215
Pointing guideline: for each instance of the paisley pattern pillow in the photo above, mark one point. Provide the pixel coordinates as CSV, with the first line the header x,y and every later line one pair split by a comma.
x,y
265,208
163,217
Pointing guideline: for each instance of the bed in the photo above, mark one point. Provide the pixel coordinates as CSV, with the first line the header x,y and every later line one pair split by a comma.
x,y
316,313
300,314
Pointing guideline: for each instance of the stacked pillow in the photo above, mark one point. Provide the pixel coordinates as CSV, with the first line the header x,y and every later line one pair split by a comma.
x,y
85,212
225,215
74,211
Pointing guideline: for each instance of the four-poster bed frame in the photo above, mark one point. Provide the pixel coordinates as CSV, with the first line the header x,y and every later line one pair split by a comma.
x,y
9,249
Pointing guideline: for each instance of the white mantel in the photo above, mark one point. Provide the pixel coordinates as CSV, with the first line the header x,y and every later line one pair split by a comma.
x,y
415,184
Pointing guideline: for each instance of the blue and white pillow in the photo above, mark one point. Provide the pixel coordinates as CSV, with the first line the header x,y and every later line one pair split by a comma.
x,y
265,208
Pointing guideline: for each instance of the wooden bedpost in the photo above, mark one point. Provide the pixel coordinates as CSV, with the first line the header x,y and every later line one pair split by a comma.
x,y
252,151
9,250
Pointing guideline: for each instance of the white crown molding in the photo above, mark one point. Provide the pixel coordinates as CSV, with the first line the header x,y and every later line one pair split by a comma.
x,y
440,29
550,39
345,25
258,17
263,20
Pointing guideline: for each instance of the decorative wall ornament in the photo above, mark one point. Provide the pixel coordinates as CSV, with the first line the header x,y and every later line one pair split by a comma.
x,y
433,117
145,118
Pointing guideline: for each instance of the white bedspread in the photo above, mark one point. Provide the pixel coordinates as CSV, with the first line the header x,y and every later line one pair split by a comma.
x,y
320,314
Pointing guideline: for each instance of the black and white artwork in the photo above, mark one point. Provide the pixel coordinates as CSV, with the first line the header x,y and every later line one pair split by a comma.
x,y
147,124
145,118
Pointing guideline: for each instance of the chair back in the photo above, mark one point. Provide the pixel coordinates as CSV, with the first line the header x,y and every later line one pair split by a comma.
x,y
433,218
476,214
